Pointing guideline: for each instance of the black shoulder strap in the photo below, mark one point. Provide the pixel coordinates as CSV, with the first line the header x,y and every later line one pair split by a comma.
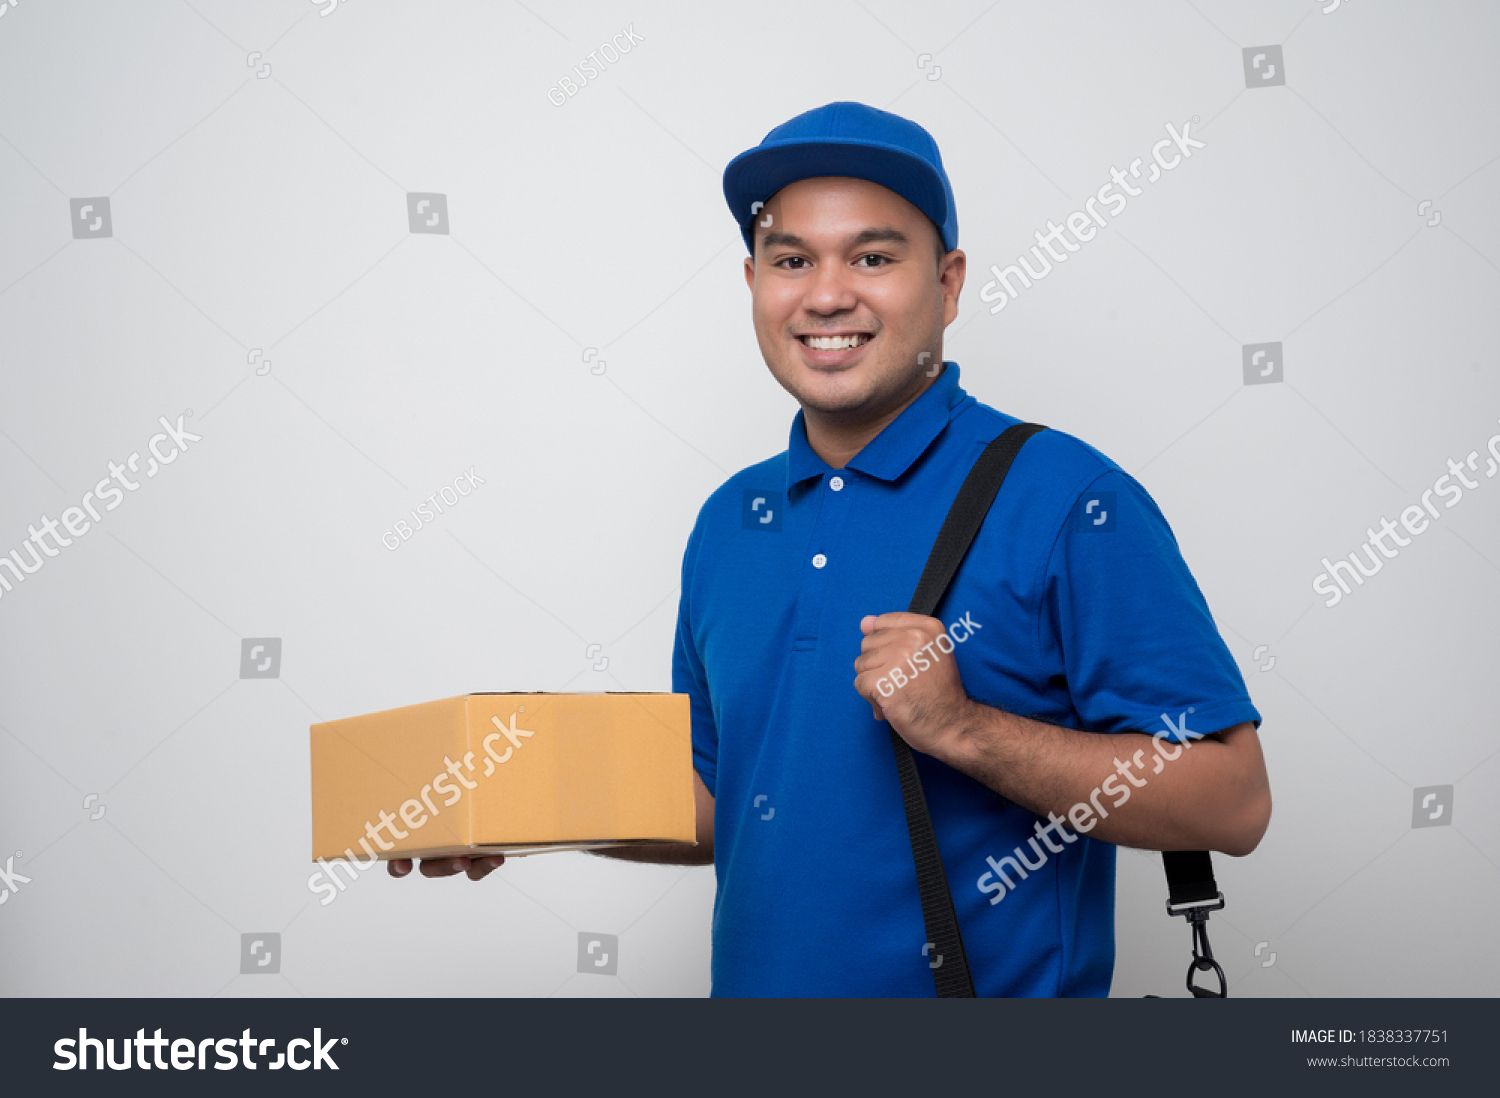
x,y
950,967
1191,888
1190,877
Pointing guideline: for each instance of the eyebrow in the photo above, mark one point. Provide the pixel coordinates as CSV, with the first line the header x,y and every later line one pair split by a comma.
x,y
867,236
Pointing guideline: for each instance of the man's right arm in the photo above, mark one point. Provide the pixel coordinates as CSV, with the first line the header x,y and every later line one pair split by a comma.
x,y
658,853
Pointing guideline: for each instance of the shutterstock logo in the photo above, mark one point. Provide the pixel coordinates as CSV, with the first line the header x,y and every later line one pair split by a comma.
x,y
260,658
1432,806
11,878
260,954
410,810
761,510
1084,816
1262,363
427,212
1095,513
598,953
91,218
162,449
187,1054
1338,575
1081,226
1263,67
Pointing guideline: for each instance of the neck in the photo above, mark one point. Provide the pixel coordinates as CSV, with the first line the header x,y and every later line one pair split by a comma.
x,y
838,438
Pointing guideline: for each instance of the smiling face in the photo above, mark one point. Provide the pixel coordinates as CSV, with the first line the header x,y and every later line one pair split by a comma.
x,y
849,302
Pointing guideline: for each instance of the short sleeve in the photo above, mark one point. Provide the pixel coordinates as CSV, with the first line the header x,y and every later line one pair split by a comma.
x,y
688,677
1140,647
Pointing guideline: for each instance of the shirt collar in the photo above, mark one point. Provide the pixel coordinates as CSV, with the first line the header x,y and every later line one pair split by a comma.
x,y
901,442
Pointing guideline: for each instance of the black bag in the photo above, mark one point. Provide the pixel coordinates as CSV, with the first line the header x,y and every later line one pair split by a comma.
x,y
1191,890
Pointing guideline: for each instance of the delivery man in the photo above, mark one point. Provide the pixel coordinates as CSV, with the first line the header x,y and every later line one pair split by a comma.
x,y
1079,655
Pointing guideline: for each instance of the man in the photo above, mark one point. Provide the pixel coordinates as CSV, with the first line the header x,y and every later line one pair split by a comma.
x,y
1084,698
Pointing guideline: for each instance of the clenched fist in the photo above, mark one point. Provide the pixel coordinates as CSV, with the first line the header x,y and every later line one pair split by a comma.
x,y
906,671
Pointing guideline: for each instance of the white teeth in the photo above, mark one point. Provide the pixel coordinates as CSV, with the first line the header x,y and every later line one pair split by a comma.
x,y
836,343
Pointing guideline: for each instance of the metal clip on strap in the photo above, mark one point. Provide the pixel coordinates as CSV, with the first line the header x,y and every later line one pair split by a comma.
x,y
1193,893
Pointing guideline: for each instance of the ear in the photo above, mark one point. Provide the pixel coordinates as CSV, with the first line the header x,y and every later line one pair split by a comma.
x,y
750,272
951,277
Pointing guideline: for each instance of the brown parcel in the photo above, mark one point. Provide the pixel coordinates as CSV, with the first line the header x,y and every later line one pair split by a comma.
x,y
504,773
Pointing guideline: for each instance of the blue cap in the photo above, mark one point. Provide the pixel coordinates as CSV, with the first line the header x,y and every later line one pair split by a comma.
x,y
848,139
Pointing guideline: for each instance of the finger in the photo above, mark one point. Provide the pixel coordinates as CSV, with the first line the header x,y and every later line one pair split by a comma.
x,y
913,630
879,641
905,619
398,867
483,867
443,867
868,693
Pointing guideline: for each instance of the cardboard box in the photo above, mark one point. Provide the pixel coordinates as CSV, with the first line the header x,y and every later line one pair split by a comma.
x,y
504,773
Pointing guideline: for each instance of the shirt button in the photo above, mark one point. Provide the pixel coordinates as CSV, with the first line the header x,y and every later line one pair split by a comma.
x,y
837,484
819,560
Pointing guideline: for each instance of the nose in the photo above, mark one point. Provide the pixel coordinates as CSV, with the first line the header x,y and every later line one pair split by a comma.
x,y
830,290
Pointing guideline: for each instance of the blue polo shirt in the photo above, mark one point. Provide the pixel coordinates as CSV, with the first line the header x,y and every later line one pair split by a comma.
x,y
1087,617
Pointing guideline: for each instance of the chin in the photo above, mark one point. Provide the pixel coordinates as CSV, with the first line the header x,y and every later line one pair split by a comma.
x,y
829,391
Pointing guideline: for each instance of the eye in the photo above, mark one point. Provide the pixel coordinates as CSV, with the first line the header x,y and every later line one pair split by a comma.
x,y
881,260
791,259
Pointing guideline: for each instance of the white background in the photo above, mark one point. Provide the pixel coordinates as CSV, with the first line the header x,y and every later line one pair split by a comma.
x,y
268,213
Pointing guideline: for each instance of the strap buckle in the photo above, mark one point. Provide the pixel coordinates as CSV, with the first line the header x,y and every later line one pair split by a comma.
x,y
1196,913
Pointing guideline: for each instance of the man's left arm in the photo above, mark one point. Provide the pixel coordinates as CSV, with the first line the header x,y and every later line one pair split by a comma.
x,y
1208,793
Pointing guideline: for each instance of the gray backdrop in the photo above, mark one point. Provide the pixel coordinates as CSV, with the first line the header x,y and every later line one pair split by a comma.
x,y
1286,337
